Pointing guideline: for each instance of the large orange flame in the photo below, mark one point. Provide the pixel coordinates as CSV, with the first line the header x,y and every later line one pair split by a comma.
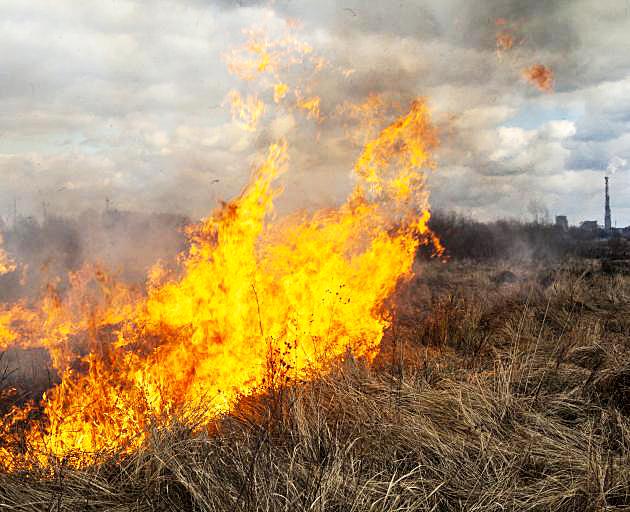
x,y
256,301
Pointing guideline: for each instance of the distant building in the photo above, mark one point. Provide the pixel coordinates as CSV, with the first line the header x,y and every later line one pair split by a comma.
x,y
589,225
562,222
607,221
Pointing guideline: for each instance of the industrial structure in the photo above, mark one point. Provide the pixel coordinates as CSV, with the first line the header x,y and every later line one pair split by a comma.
x,y
589,225
592,226
607,222
562,223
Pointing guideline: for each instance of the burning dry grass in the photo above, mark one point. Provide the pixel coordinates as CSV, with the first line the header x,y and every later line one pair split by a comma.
x,y
509,392
300,293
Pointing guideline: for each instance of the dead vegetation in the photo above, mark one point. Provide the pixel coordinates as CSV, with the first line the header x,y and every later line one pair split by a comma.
x,y
490,393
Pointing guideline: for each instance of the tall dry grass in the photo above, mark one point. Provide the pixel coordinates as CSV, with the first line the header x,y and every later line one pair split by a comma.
x,y
489,394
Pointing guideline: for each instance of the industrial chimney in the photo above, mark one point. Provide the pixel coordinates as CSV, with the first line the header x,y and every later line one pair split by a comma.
x,y
607,223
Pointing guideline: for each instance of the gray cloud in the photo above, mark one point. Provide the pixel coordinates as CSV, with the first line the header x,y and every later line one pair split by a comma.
x,y
113,99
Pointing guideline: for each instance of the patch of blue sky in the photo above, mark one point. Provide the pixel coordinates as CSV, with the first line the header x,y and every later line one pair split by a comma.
x,y
533,115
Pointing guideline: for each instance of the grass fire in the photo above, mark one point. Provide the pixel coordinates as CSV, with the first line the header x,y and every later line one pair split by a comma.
x,y
254,302
358,325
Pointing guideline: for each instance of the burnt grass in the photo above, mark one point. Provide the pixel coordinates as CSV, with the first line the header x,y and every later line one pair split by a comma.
x,y
499,386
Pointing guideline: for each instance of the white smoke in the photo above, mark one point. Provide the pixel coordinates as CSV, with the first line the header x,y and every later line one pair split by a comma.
x,y
615,164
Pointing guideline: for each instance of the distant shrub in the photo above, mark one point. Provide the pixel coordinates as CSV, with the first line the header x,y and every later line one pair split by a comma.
x,y
466,238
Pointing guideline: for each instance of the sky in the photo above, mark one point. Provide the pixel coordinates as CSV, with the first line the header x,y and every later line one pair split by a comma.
x,y
126,100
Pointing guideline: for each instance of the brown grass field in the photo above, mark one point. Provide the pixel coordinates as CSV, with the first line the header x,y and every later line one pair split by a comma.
x,y
498,387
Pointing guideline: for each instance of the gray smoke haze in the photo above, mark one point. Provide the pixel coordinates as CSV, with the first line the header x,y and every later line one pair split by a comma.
x,y
123,100
123,244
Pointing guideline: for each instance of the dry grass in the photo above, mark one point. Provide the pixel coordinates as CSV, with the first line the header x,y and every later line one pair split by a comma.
x,y
489,394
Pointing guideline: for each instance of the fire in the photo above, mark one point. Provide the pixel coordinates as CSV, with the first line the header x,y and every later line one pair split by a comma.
x,y
364,118
246,112
539,75
388,164
265,64
505,36
310,105
256,302
504,41
293,295
280,91
6,265
261,55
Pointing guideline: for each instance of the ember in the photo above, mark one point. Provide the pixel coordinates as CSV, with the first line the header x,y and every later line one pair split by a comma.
x,y
540,76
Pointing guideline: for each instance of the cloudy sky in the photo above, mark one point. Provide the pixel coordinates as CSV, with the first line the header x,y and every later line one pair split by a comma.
x,y
127,100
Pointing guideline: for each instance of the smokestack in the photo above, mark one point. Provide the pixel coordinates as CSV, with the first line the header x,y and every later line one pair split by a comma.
x,y
607,223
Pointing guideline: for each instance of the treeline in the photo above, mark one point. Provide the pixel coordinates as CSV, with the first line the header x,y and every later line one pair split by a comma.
x,y
466,238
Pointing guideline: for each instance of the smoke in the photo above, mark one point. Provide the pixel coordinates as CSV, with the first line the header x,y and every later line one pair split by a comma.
x,y
126,244
538,211
508,241
126,103
615,164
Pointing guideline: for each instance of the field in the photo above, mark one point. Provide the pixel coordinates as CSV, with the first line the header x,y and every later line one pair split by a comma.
x,y
499,386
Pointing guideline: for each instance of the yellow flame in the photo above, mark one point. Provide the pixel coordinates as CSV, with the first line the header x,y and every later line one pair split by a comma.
x,y
364,118
388,163
260,55
279,91
311,106
256,302
246,112
6,264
